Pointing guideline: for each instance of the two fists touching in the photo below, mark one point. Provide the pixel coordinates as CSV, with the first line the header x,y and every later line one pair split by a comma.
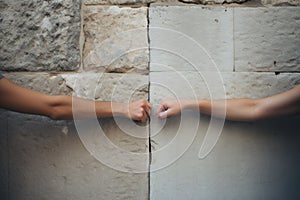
x,y
141,109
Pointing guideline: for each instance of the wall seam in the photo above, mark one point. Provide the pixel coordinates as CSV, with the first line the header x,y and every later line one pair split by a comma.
x,y
149,119
233,38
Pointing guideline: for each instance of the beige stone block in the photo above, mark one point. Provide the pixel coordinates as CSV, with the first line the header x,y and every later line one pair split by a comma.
x,y
191,38
267,39
39,35
49,161
97,86
85,159
248,160
109,87
42,82
281,2
212,85
213,1
117,2
116,39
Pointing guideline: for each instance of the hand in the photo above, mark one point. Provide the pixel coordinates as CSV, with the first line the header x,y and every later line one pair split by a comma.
x,y
138,110
168,108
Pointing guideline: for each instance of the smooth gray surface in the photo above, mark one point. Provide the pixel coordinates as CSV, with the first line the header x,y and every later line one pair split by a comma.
x,y
257,160
250,161
191,38
267,39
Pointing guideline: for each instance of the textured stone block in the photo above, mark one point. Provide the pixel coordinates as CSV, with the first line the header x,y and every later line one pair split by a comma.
x,y
267,39
281,2
211,85
213,1
249,159
109,87
116,39
117,2
42,82
193,38
39,35
48,161
101,86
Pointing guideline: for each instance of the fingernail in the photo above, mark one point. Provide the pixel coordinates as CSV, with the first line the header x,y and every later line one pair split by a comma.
x,y
163,114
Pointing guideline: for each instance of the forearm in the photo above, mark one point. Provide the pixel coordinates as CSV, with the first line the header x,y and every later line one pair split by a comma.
x,y
232,109
16,98
66,107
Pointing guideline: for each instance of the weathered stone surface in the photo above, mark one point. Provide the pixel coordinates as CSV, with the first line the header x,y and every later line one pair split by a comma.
x,y
115,39
42,82
267,39
101,86
48,161
250,159
39,35
193,38
207,85
213,1
117,2
281,2
109,87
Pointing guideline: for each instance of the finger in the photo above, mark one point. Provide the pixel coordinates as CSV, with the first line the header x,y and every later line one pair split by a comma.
x,y
144,118
160,109
147,109
163,114
149,105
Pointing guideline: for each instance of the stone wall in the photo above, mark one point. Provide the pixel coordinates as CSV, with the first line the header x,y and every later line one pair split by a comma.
x,y
124,50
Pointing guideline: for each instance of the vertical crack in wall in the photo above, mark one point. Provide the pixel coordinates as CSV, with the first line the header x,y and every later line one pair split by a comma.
x,y
81,37
149,86
233,40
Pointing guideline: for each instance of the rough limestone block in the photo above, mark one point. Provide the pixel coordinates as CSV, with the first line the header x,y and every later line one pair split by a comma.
x,y
49,161
281,2
116,39
3,155
193,38
213,1
117,2
249,161
109,87
39,35
101,86
267,39
42,82
53,160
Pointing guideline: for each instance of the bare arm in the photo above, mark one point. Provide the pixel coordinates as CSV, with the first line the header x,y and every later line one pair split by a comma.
x,y
16,98
286,103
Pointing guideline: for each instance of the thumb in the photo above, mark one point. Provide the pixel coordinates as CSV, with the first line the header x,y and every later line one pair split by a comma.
x,y
163,114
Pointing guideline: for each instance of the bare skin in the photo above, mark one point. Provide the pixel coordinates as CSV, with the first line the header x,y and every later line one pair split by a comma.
x,y
283,104
16,98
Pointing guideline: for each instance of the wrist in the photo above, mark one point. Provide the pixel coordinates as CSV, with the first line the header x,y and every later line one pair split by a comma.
x,y
189,104
119,109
